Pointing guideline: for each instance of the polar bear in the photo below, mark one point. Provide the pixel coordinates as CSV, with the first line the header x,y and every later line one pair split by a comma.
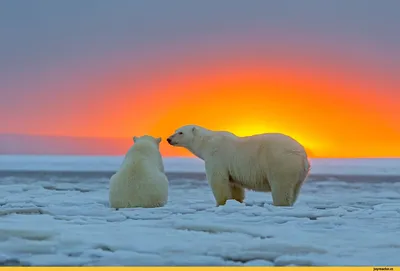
x,y
270,162
140,181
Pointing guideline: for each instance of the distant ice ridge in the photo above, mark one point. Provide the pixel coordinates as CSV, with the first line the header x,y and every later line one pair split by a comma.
x,y
111,163
87,163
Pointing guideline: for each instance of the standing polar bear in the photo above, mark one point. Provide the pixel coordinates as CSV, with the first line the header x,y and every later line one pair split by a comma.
x,y
140,181
270,162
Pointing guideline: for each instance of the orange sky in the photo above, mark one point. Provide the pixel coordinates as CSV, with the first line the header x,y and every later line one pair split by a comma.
x,y
330,116
333,112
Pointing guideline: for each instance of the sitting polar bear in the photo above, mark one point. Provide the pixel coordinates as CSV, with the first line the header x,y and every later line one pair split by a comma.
x,y
270,162
140,181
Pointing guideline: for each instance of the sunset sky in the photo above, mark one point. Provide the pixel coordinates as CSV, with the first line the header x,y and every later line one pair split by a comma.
x,y
324,72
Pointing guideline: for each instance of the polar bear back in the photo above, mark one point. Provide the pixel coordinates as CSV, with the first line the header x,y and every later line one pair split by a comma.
x,y
257,157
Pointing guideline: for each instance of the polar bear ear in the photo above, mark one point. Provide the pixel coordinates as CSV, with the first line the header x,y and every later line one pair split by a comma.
x,y
194,130
134,138
158,140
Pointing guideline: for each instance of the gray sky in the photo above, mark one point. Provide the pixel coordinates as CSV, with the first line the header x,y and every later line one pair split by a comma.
x,y
41,33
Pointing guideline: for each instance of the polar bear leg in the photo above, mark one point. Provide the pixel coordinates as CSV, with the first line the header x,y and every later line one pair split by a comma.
x,y
282,195
286,179
219,183
237,192
296,191
285,187
302,176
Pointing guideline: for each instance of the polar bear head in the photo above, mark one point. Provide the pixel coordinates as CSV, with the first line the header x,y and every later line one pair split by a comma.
x,y
187,136
198,140
190,137
146,146
146,138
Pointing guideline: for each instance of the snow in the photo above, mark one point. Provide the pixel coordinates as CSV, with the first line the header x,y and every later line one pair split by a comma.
x,y
388,167
60,221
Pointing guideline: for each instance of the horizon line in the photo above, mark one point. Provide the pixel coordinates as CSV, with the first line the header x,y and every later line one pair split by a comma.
x,y
313,156
176,157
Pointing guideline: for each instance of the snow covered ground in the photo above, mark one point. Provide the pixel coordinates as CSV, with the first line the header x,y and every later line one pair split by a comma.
x,y
67,221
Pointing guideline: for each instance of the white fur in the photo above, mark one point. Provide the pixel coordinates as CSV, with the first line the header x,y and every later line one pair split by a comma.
x,y
270,162
140,181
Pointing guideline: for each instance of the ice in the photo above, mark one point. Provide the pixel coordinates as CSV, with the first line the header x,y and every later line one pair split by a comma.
x,y
390,167
62,222
87,163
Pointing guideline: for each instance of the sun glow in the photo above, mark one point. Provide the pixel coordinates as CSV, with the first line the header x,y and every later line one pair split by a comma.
x,y
249,129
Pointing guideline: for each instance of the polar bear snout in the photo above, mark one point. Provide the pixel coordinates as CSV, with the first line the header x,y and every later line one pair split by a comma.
x,y
175,139
172,141
169,140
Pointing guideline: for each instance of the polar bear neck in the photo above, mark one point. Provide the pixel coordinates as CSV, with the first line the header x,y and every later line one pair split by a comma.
x,y
198,147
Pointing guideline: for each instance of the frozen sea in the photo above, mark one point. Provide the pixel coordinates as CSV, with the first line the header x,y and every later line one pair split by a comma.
x,y
54,211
